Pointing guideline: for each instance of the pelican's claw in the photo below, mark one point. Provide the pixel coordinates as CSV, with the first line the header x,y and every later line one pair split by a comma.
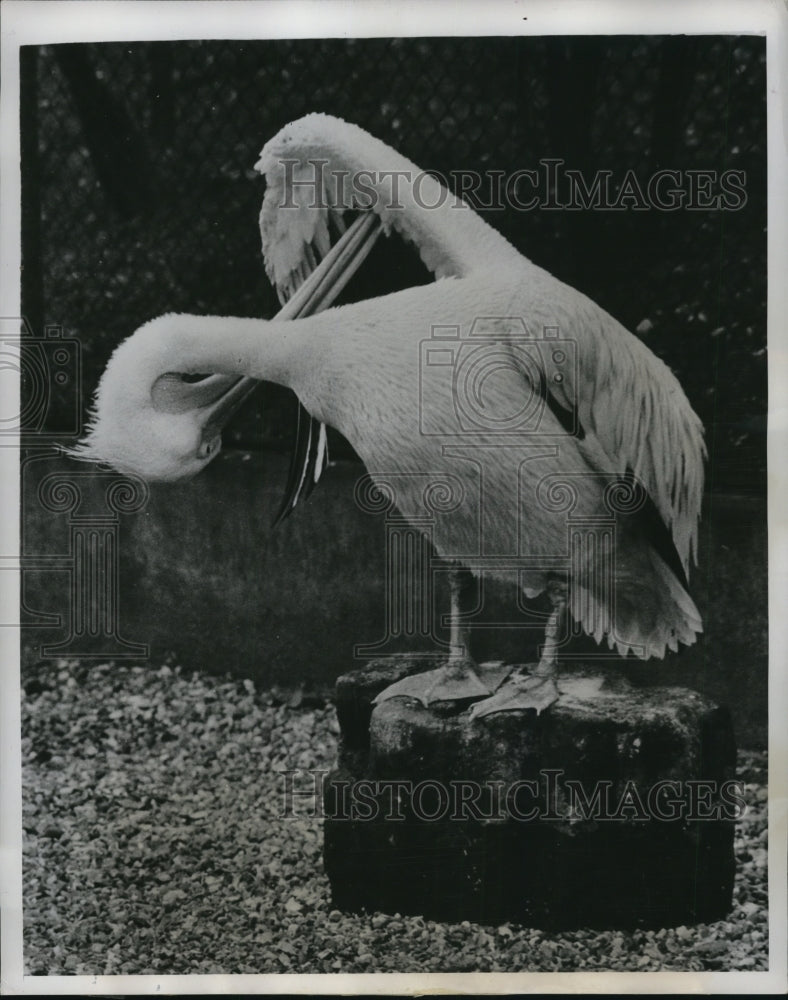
x,y
532,691
459,681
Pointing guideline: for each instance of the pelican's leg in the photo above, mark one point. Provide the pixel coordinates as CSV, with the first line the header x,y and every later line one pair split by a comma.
x,y
458,679
536,689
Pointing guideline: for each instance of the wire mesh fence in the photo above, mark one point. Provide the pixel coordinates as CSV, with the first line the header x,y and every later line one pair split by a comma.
x,y
140,197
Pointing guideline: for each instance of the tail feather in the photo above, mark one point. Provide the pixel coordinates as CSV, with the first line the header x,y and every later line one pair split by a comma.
x,y
648,612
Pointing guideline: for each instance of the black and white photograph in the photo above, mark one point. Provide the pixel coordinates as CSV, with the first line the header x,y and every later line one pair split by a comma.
x,y
392,466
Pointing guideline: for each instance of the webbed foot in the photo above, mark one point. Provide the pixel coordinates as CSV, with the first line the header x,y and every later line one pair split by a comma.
x,y
459,680
522,691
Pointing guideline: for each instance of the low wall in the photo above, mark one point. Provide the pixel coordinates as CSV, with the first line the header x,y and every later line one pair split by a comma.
x,y
205,580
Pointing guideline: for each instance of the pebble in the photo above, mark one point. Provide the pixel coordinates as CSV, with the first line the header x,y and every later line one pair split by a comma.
x,y
157,857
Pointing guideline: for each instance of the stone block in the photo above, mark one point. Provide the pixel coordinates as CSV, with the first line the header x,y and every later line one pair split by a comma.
x,y
615,807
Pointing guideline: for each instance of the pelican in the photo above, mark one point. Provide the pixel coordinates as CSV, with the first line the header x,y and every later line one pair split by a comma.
x,y
590,411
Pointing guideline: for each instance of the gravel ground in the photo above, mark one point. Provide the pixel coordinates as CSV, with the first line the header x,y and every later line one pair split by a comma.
x,y
153,844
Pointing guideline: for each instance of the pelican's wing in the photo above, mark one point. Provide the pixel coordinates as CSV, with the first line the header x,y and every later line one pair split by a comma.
x,y
627,406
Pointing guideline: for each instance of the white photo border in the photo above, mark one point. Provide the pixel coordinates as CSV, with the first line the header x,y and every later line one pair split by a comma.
x,y
32,22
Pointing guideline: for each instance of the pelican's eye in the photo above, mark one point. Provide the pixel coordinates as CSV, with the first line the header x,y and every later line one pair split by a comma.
x,y
208,448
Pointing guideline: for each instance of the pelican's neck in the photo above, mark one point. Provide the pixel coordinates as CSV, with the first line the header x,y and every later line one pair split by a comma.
x,y
228,345
350,168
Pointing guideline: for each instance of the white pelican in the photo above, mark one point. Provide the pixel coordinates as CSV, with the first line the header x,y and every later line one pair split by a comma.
x,y
614,414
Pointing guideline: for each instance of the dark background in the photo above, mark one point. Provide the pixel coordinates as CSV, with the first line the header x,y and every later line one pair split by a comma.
x,y
139,197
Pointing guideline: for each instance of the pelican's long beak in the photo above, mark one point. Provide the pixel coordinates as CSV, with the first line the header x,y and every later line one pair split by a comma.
x,y
318,292
218,415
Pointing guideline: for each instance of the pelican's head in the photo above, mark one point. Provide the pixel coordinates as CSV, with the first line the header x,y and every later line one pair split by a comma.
x,y
152,420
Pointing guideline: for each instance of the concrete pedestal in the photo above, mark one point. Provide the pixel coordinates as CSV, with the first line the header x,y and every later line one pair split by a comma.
x,y
613,808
